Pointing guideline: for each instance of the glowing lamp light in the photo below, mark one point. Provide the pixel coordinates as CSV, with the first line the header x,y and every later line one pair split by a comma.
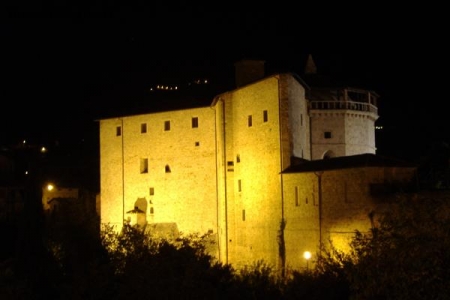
x,y
50,187
307,255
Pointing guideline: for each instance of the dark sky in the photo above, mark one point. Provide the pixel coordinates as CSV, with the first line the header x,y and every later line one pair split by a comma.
x,y
64,64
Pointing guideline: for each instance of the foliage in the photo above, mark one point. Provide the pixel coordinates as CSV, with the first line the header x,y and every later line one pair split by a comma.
x,y
258,281
406,257
162,269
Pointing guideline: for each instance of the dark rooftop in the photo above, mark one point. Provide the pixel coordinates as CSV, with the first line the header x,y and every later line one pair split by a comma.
x,y
344,162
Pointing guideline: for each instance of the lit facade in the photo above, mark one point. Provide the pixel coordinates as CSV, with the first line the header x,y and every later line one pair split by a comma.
x,y
228,169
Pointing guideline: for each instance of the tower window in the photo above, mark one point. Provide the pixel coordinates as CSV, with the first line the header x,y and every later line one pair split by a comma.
x,y
265,116
239,186
166,125
243,215
144,128
144,165
238,158
296,196
152,211
118,131
327,134
152,191
197,144
195,122
250,121
168,169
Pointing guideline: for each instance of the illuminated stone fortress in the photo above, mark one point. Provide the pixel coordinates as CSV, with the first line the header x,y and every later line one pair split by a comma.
x,y
270,169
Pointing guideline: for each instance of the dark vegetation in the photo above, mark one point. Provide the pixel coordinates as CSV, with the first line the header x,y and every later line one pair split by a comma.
x,y
405,257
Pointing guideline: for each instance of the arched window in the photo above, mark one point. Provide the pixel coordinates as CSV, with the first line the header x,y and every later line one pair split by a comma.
x,y
328,154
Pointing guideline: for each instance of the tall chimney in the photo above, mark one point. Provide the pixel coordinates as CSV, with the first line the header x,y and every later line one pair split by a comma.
x,y
248,71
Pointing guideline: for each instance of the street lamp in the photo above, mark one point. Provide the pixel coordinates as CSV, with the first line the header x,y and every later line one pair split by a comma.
x,y
307,257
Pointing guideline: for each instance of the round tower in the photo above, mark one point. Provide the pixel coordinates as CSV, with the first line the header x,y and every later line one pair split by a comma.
x,y
342,117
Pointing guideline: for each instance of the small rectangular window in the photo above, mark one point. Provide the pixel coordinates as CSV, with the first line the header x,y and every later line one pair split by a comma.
x,y
243,215
168,169
152,191
301,120
230,163
166,125
265,116
194,122
296,196
239,185
327,134
250,121
144,128
118,131
144,165
197,144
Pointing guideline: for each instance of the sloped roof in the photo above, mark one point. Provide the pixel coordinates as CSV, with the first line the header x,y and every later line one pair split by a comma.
x,y
346,162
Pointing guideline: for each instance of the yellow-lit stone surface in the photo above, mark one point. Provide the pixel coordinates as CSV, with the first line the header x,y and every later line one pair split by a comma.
x,y
226,176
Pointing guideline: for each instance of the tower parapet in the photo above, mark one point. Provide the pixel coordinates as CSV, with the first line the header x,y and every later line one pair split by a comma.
x,y
342,117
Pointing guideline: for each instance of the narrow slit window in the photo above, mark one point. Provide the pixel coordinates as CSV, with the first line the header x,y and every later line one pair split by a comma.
x,y
239,185
238,158
250,121
144,128
296,196
243,215
195,122
327,134
152,191
144,165
166,125
168,169
265,116
152,211
118,131
301,120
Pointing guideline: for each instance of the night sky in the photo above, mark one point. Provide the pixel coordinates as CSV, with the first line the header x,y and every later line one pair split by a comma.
x,y
64,66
